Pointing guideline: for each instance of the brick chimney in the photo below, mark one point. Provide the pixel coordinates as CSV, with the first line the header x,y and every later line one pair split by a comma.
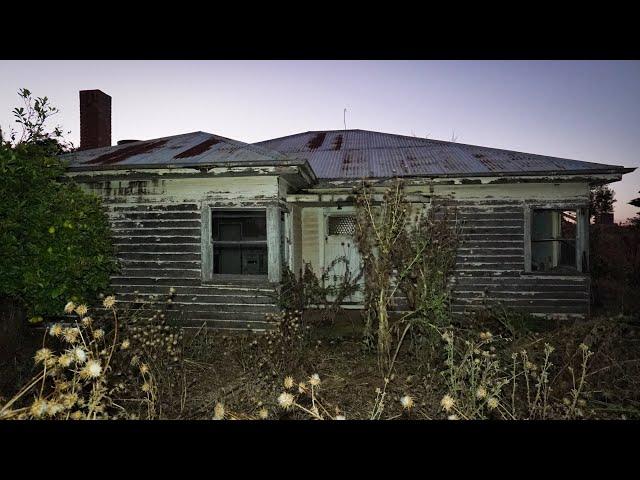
x,y
95,119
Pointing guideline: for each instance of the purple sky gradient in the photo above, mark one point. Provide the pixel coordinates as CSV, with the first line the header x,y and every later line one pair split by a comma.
x,y
584,110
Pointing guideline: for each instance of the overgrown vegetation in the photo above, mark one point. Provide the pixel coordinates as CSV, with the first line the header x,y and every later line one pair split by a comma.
x,y
55,240
408,249
107,365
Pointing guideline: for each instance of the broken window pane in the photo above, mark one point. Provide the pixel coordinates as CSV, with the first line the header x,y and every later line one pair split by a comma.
x,y
239,242
553,241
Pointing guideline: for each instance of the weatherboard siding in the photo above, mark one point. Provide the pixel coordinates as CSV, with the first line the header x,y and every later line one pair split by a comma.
x,y
490,261
156,226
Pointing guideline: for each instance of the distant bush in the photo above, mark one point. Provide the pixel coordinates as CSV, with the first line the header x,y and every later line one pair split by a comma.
x,y
615,269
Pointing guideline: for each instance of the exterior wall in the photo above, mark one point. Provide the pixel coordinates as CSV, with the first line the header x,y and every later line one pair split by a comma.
x,y
157,223
490,264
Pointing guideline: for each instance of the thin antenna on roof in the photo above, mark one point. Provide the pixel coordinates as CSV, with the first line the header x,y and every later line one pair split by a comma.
x,y
453,136
344,118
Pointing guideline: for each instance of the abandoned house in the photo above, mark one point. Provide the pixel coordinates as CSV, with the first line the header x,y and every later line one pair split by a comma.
x,y
219,219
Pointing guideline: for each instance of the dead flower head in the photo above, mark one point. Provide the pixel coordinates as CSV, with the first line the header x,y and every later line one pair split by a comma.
x,y
263,414
288,382
71,334
481,392
314,380
447,402
69,307
407,402
38,408
79,355
492,403
98,334
65,359
42,355
218,411
285,400
55,330
109,301
82,310
92,369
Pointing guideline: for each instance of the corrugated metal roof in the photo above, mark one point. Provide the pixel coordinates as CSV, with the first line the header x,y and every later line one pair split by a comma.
x,y
336,154
189,149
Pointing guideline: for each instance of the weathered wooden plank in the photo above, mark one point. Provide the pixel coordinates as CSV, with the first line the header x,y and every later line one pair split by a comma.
x,y
167,247
489,258
118,224
515,295
159,256
118,240
228,325
152,232
155,265
134,216
486,237
532,309
468,230
205,300
486,273
463,266
219,290
524,289
225,315
156,207
468,250
117,280
176,273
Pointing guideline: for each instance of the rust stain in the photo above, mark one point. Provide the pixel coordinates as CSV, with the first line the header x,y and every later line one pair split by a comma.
x,y
124,153
198,149
492,166
337,143
317,140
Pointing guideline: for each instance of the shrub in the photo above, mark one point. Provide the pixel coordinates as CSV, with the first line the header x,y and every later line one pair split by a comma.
x,y
55,240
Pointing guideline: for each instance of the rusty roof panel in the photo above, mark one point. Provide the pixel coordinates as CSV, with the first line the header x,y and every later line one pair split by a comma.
x,y
195,148
336,154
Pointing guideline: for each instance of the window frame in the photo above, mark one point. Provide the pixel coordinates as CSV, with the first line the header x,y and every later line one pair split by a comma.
x,y
274,234
581,240
237,214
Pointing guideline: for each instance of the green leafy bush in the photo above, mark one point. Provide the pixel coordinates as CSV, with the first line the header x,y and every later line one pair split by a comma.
x,y
55,240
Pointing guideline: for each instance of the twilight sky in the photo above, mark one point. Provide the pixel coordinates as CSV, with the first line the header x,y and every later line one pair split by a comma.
x,y
584,110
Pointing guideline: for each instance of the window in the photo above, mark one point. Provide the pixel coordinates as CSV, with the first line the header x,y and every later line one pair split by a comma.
x,y
557,240
239,242
342,225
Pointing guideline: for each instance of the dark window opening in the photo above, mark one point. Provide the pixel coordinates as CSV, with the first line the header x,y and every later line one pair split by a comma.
x,y
239,242
553,241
